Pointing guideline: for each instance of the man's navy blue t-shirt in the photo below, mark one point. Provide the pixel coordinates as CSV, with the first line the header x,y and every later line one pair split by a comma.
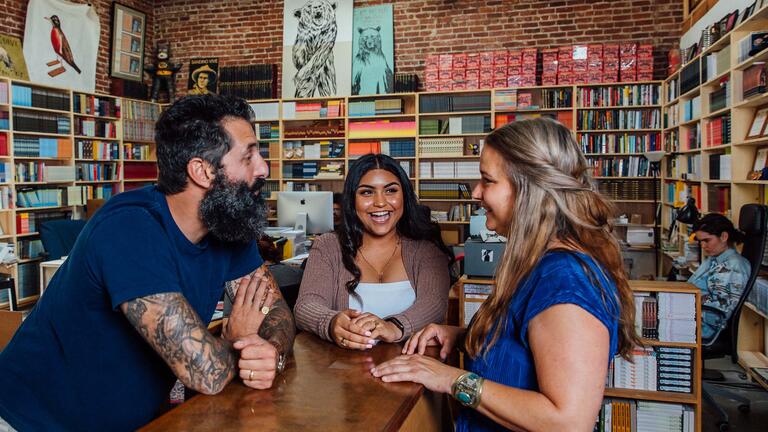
x,y
76,363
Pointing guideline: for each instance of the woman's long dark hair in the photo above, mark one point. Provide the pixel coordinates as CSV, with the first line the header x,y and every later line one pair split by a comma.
x,y
716,224
415,224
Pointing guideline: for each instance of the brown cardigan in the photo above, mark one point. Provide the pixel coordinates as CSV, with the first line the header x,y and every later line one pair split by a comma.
x,y
323,293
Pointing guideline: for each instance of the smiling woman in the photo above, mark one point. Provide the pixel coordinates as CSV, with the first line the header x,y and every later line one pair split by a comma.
x,y
385,273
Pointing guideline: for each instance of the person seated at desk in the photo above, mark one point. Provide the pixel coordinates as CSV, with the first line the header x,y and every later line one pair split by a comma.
x,y
385,274
127,312
723,274
538,349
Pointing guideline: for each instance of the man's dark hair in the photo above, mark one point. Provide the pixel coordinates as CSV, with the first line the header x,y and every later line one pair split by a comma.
x,y
337,197
193,127
716,224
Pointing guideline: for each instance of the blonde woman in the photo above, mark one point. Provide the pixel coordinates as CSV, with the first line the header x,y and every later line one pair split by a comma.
x,y
538,349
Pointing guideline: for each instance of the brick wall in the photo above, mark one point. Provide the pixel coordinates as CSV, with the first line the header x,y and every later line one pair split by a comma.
x,y
15,12
247,31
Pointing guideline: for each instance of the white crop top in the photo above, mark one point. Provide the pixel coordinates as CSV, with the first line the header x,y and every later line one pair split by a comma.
x,y
383,299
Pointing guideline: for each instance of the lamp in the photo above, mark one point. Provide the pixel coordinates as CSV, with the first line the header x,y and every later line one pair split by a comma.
x,y
655,157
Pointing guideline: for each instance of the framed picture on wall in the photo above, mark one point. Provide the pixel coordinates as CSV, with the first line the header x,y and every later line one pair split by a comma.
x,y
127,51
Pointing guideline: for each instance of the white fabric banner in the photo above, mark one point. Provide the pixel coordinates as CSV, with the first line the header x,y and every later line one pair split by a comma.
x,y
61,43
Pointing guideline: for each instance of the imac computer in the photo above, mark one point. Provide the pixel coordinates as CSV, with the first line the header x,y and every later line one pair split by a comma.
x,y
311,212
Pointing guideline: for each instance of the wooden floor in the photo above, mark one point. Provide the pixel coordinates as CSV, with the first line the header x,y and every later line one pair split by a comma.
x,y
754,421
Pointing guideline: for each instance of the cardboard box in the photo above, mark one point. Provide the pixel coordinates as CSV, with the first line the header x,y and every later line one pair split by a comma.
x,y
444,74
432,62
431,76
549,61
529,69
446,86
459,85
645,75
486,74
513,70
459,61
458,75
472,74
486,84
565,78
645,63
500,83
472,84
500,73
514,59
486,59
580,58
432,86
446,62
500,58
594,77
529,56
548,79
610,77
645,50
473,61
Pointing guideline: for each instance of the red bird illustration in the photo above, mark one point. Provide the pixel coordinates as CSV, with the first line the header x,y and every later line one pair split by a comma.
x,y
60,44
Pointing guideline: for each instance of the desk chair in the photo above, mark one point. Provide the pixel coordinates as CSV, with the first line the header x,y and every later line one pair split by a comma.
x,y
753,221
59,236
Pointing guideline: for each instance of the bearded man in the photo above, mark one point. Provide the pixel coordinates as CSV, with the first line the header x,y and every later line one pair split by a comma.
x,y
127,313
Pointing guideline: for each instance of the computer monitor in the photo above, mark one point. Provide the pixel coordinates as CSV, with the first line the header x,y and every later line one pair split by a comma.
x,y
311,212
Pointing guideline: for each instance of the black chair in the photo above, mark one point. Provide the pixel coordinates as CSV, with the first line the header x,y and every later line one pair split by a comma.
x,y
59,236
752,220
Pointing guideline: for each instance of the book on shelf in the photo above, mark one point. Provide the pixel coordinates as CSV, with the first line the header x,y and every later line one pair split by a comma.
x,y
96,105
649,118
266,110
100,150
441,146
628,415
619,95
26,96
443,103
24,121
42,147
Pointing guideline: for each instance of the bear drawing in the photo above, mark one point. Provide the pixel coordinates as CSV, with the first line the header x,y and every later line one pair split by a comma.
x,y
371,72
313,50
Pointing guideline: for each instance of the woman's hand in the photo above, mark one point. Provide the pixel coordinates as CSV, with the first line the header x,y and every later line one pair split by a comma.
x,y
348,334
378,328
429,372
433,335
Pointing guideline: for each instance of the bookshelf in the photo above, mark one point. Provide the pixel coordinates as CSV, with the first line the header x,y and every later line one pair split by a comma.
x,y
58,148
707,120
472,293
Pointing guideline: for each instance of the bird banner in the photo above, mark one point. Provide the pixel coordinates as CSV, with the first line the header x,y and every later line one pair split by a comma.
x,y
61,43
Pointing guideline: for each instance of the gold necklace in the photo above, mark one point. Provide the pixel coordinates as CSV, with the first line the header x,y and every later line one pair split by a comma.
x,y
381,273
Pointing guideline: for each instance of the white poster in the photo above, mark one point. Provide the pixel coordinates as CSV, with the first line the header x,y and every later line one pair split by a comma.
x,y
61,43
317,48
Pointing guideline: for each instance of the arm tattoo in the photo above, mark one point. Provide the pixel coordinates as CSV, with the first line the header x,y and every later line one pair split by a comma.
x,y
170,325
278,327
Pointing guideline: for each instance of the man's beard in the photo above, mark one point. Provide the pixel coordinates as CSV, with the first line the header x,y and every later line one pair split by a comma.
x,y
233,211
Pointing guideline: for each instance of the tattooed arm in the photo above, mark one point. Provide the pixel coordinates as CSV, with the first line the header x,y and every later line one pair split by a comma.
x,y
169,324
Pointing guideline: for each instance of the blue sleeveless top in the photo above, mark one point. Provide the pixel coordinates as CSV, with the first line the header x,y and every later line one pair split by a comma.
x,y
558,278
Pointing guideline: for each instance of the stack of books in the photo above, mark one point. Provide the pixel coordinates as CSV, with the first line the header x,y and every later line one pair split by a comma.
x,y
677,317
441,146
631,416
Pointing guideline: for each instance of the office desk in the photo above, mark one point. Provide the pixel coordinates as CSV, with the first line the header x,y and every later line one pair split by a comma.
x,y
324,388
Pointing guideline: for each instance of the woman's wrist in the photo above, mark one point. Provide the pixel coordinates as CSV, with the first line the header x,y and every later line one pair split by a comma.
x,y
393,331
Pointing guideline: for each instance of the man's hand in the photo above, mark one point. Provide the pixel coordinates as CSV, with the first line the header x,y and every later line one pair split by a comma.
x,y
348,334
254,298
258,361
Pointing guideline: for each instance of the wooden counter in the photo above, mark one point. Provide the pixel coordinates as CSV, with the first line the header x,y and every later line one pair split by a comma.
x,y
324,388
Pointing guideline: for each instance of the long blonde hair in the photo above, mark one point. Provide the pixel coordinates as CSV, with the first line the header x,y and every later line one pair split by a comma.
x,y
555,199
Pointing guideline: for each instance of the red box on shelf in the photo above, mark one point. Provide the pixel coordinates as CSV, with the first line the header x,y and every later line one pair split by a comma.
x,y
500,58
610,77
528,81
472,74
529,69
500,83
431,76
446,62
486,59
645,50
628,75
628,49
432,86
446,86
486,74
473,61
645,75
594,76
645,64
513,70
432,62
548,79
581,77
444,74
500,73
611,66
595,58
524,99
565,59
486,84
472,84
529,56
549,61
514,80
462,85
459,61
610,51
565,78
458,75
514,59
579,58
